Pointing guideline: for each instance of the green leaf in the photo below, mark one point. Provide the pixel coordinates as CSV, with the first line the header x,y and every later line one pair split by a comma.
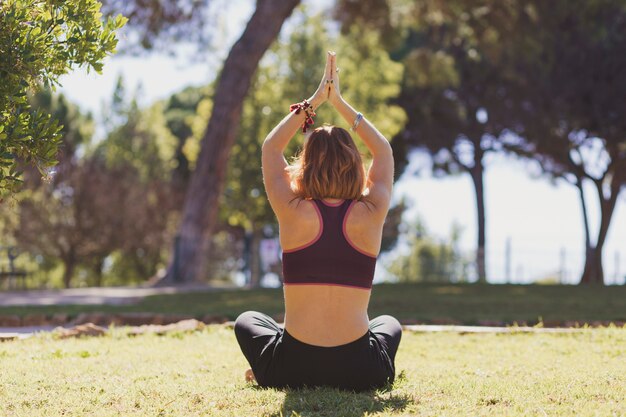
x,y
43,58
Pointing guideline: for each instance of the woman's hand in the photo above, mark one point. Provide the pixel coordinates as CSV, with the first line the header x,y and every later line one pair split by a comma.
x,y
323,90
334,95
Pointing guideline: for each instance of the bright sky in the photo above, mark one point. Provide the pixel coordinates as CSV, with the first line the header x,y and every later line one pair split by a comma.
x,y
542,221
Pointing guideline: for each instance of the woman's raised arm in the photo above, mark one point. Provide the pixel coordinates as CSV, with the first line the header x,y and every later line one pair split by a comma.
x,y
380,173
275,176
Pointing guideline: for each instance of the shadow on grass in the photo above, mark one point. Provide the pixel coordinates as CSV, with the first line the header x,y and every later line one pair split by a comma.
x,y
329,402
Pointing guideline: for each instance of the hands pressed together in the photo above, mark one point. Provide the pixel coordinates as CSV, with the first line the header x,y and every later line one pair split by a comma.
x,y
327,90
329,86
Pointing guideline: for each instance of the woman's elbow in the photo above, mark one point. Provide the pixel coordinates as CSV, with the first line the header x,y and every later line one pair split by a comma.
x,y
269,145
384,150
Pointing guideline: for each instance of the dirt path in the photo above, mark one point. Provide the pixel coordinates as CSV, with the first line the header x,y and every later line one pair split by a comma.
x,y
97,295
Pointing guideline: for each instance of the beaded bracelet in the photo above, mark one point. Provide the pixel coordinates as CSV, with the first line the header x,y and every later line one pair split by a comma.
x,y
305,106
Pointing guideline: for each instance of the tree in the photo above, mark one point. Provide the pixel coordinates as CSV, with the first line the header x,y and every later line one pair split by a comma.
x,y
543,80
569,59
142,145
54,216
161,25
73,219
111,200
201,203
39,42
454,91
427,259
186,113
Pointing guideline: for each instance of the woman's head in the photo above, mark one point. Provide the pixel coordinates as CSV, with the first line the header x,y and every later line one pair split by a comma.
x,y
329,166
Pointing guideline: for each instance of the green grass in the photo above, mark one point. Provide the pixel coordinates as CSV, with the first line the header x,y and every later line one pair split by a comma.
x,y
468,303
201,374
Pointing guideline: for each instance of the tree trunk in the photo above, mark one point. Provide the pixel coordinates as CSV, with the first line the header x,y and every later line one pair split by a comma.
x,y
477,172
202,199
593,257
581,193
256,272
593,273
97,270
69,264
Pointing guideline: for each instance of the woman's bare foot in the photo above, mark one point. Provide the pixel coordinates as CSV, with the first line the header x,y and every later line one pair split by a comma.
x,y
250,376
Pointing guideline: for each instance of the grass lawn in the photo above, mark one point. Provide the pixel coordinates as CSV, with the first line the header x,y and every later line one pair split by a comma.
x,y
201,374
465,303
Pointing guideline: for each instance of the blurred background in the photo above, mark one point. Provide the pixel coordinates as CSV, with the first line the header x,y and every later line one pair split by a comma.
x,y
506,118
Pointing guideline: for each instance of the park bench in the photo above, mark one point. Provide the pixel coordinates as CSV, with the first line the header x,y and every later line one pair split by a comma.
x,y
12,275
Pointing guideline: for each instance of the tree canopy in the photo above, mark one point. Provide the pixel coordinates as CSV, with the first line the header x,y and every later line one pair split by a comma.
x,y
571,112
541,79
39,42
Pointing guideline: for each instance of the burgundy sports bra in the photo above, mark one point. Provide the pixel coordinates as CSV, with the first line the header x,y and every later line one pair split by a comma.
x,y
331,258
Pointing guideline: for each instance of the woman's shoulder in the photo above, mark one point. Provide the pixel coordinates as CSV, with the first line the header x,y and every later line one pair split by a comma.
x,y
367,210
300,209
360,210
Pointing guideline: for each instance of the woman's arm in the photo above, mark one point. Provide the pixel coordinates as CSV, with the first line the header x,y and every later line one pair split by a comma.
x,y
275,175
278,139
380,173
373,139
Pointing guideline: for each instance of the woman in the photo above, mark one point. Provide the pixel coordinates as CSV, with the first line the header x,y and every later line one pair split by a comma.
x,y
330,214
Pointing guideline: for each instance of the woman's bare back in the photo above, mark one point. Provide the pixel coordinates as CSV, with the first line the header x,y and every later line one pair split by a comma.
x,y
328,315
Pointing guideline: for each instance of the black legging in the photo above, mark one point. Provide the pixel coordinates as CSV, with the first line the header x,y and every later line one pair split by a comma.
x,y
279,360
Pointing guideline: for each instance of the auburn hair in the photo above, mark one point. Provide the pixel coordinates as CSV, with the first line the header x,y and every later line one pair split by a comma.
x,y
328,166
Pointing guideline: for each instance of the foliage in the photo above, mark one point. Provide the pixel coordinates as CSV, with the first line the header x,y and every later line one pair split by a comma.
x,y
71,218
72,221
39,42
161,25
452,88
391,227
141,139
571,114
185,113
142,144
371,80
75,132
106,211
156,149
427,259
540,79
